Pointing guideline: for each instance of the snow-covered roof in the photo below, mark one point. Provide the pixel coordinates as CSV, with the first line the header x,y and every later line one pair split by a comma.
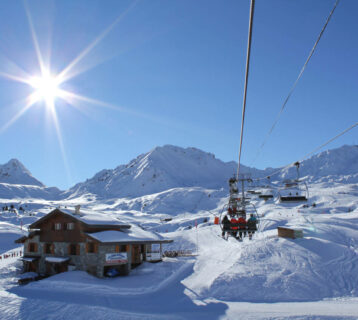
x,y
135,234
93,218
29,259
56,259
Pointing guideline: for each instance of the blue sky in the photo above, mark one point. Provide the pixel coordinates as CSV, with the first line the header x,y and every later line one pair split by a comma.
x,y
171,72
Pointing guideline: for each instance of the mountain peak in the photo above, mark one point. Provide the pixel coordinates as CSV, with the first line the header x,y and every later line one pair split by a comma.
x,y
162,168
14,172
16,164
167,167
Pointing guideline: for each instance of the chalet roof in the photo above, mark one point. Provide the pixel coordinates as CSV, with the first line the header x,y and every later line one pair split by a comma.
x,y
24,238
21,240
134,235
88,217
30,259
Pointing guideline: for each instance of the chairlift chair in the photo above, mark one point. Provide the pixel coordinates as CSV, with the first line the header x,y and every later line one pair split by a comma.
x,y
266,191
240,212
294,191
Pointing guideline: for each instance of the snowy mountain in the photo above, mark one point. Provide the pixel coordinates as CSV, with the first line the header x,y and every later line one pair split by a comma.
x,y
169,167
268,277
340,165
14,172
158,170
17,182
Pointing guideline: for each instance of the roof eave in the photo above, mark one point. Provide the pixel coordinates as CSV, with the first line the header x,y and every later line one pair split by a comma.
x,y
119,226
134,241
21,240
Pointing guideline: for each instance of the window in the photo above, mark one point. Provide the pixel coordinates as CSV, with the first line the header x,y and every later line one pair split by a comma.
x,y
91,247
70,226
72,249
57,226
32,247
48,248
122,248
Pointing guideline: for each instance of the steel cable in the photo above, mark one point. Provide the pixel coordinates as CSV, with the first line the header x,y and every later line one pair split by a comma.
x,y
252,6
295,84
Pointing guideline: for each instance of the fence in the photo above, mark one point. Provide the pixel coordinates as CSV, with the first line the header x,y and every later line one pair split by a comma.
x,y
177,253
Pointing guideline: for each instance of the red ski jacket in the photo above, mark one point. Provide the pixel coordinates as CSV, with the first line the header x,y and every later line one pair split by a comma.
x,y
242,223
234,222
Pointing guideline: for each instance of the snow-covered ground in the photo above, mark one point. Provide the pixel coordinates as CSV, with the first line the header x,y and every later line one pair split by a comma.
x,y
315,277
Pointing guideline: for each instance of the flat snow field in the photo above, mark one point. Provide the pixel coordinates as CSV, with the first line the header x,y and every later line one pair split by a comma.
x,y
315,277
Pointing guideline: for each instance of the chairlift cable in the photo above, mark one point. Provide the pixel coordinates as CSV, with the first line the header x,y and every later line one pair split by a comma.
x,y
329,141
246,81
295,84
312,152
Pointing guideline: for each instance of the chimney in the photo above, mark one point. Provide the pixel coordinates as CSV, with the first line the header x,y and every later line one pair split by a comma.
x,y
77,209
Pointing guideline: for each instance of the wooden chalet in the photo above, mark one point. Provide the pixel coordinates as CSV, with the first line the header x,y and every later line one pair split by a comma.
x,y
66,240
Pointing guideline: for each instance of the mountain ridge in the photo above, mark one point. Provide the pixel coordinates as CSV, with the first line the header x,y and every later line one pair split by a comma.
x,y
169,167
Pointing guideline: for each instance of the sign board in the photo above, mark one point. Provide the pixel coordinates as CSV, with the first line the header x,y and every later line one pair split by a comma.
x,y
118,257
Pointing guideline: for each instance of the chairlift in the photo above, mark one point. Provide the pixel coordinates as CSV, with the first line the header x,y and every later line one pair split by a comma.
x,y
233,215
266,191
294,190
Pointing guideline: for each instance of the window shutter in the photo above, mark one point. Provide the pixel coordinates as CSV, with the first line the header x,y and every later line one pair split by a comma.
x,y
117,248
78,249
95,247
128,248
45,248
52,248
35,247
69,249
28,247
87,247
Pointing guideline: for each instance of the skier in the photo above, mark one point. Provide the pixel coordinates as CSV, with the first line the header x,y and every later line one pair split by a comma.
x,y
242,225
234,226
252,225
226,225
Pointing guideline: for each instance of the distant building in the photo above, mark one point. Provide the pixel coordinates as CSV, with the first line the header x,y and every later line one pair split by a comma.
x,y
66,240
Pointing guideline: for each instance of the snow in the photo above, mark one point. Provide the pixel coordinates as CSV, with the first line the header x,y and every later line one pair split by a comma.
x,y
28,275
56,259
135,234
15,172
157,171
28,259
315,277
93,217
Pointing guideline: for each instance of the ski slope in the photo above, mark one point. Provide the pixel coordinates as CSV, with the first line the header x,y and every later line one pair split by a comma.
x,y
315,277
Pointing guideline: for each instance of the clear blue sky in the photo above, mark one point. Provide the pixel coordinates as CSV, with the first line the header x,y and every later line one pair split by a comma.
x,y
176,69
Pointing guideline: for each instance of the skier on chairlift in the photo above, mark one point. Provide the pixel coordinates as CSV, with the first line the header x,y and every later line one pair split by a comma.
x,y
226,226
234,226
242,226
251,225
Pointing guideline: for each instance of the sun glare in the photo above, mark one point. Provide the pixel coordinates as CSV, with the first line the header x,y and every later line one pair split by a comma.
x,y
46,88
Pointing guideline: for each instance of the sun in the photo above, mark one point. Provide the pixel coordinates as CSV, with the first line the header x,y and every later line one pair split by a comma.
x,y
47,88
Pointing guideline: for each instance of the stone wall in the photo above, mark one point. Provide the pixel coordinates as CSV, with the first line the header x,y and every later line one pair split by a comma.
x,y
90,262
